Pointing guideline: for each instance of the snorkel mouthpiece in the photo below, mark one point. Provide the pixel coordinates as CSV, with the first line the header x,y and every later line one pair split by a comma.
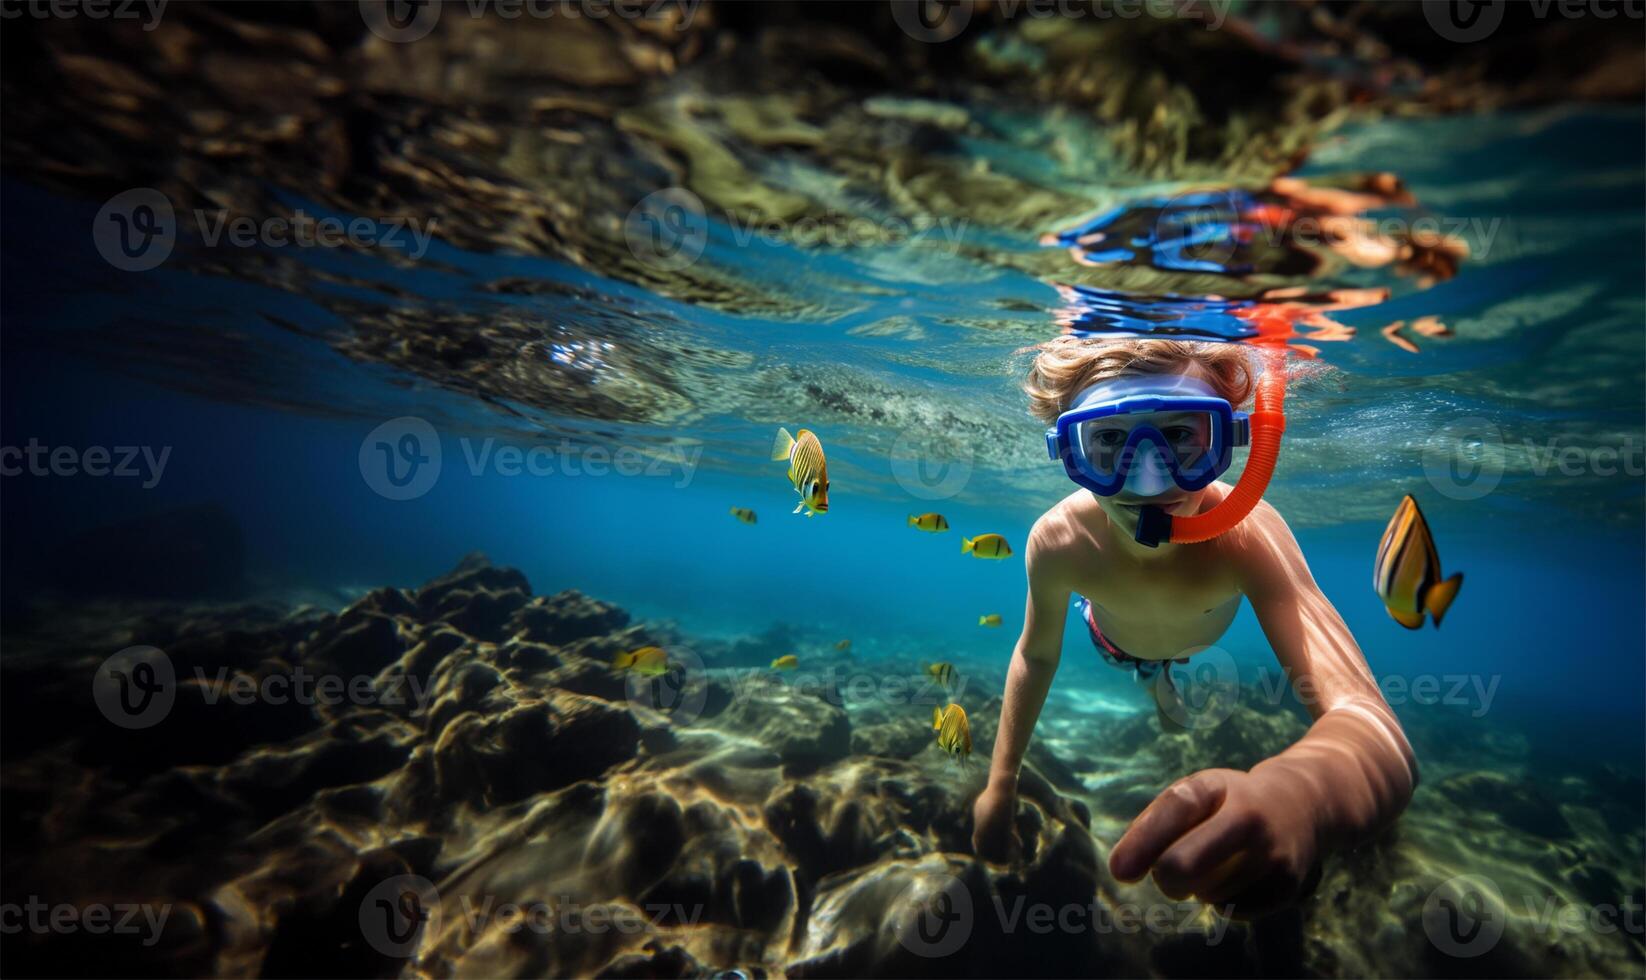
x,y
1268,423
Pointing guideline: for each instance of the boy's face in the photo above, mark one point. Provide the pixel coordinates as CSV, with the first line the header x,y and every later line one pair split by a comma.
x,y
1185,437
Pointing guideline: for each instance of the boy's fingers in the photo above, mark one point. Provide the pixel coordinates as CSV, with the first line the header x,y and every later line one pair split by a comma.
x,y
1227,896
1205,855
1172,814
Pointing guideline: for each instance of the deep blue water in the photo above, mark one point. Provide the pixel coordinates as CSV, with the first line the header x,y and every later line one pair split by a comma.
x,y
1548,345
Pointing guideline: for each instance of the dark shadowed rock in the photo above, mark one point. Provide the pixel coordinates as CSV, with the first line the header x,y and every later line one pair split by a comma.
x,y
566,616
535,747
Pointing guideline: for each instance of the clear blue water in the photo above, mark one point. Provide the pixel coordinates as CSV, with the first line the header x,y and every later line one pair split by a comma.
x,y
1548,344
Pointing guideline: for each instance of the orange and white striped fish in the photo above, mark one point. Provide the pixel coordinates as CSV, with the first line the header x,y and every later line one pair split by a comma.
x,y
808,471
1406,573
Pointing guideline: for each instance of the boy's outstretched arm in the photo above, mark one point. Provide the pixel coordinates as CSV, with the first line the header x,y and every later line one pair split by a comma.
x,y
1254,839
1034,662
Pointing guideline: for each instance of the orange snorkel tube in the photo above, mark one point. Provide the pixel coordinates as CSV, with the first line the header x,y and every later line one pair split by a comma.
x,y
1268,422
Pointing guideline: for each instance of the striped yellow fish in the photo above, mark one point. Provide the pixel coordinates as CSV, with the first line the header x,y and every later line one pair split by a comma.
x,y
992,619
986,546
1406,574
745,515
943,673
786,662
928,522
646,660
807,469
954,732
843,645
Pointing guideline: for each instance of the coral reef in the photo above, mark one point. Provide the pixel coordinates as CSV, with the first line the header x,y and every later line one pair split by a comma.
x,y
481,794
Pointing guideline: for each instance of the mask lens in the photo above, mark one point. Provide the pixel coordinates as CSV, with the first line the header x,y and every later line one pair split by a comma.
x,y
1185,439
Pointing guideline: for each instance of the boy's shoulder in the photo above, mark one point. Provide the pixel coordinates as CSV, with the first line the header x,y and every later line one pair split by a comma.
x,y
1062,529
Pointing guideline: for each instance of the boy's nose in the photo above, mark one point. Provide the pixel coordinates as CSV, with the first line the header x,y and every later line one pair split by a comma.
x,y
1149,475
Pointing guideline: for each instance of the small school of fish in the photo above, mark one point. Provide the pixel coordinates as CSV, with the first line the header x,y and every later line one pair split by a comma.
x,y
808,474
1406,572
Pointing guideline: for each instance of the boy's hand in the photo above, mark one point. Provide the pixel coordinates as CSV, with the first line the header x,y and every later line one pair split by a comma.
x,y
992,819
1229,838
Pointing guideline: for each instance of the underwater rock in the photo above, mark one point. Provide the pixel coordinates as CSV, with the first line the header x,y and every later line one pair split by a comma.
x,y
564,617
801,727
547,819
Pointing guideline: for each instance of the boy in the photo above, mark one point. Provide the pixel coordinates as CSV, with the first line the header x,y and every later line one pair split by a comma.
x,y
1251,840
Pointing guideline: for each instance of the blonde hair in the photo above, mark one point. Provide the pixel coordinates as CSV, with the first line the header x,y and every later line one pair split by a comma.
x,y
1065,367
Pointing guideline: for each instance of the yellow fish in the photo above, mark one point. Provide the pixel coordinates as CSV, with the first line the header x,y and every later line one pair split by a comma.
x,y
843,645
928,522
986,546
1406,573
786,662
745,515
807,469
943,673
992,619
954,732
646,660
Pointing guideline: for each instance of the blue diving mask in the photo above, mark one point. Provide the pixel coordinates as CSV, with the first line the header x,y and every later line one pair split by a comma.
x,y
1145,433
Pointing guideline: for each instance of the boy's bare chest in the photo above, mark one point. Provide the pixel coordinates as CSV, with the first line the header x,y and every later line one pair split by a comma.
x,y
1161,612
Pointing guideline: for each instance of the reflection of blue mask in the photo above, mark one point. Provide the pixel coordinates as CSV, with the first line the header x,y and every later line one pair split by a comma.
x,y
1143,433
